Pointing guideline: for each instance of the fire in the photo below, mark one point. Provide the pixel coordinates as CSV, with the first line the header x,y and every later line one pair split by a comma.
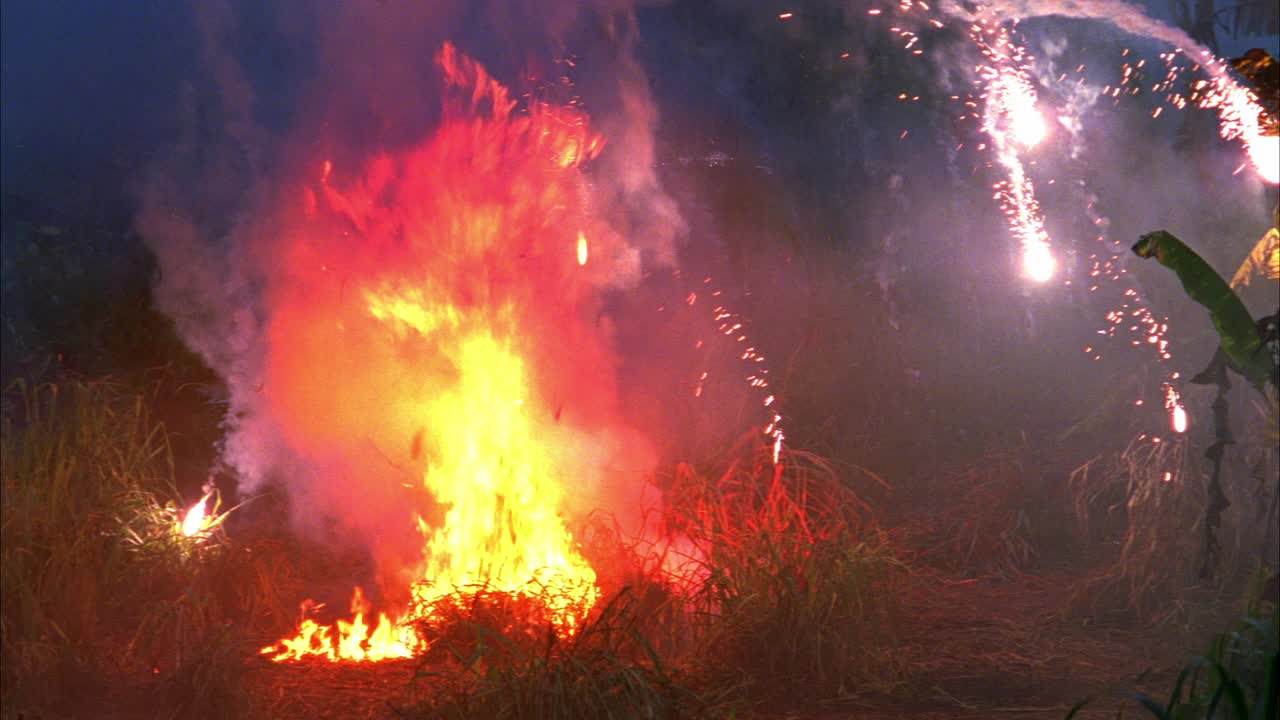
x,y
434,342
352,641
196,519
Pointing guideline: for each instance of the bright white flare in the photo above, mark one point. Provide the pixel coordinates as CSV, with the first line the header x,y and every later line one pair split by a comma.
x,y
193,521
1015,102
1038,262
1177,413
1264,151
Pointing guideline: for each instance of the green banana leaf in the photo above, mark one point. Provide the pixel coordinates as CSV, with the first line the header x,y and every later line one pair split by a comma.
x,y
1236,328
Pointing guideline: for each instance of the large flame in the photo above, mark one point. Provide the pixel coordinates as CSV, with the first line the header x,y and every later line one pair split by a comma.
x,y
437,331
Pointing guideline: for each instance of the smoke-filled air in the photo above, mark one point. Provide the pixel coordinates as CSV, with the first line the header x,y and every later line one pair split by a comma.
x,y
527,360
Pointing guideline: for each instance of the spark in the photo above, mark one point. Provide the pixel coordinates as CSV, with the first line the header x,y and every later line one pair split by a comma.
x,y
730,324
582,249
1015,125
1177,413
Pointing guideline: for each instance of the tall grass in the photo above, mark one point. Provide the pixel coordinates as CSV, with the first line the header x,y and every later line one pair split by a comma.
x,y
1237,678
70,452
993,523
772,580
495,656
797,588
99,584
1159,496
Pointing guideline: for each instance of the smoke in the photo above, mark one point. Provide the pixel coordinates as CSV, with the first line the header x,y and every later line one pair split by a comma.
x,y
1122,15
287,95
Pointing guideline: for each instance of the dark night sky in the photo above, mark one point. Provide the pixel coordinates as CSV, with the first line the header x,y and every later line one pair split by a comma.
x,y
90,90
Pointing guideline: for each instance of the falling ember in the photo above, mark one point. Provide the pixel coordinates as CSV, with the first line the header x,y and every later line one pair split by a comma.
x,y
453,341
1240,115
1177,413
1015,125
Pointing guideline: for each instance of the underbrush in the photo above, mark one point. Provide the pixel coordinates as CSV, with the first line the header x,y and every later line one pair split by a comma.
x,y
771,581
104,594
798,588
1151,501
992,523
495,656
1237,678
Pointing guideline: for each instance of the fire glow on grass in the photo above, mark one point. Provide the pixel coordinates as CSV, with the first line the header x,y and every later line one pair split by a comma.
x,y
446,321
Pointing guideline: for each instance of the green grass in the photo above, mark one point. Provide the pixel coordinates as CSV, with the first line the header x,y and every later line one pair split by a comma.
x,y
1238,678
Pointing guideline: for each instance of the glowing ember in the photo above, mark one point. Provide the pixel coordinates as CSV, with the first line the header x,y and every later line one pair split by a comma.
x,y
731,325
443,331
1240,116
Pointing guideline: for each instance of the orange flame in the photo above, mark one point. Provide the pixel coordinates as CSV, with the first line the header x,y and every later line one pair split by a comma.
x,y
433,336
194,519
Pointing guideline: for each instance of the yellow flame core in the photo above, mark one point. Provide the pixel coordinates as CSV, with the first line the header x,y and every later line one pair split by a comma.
x,y
194,520
501,530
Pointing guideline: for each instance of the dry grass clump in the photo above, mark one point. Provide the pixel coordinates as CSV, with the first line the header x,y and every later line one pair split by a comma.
x,y
1161,532
990,523
496,655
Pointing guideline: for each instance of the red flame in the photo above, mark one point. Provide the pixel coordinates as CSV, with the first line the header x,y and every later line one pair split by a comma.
x,y
437,354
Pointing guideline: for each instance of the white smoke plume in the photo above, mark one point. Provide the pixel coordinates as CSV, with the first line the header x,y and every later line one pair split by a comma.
x,y
288,86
